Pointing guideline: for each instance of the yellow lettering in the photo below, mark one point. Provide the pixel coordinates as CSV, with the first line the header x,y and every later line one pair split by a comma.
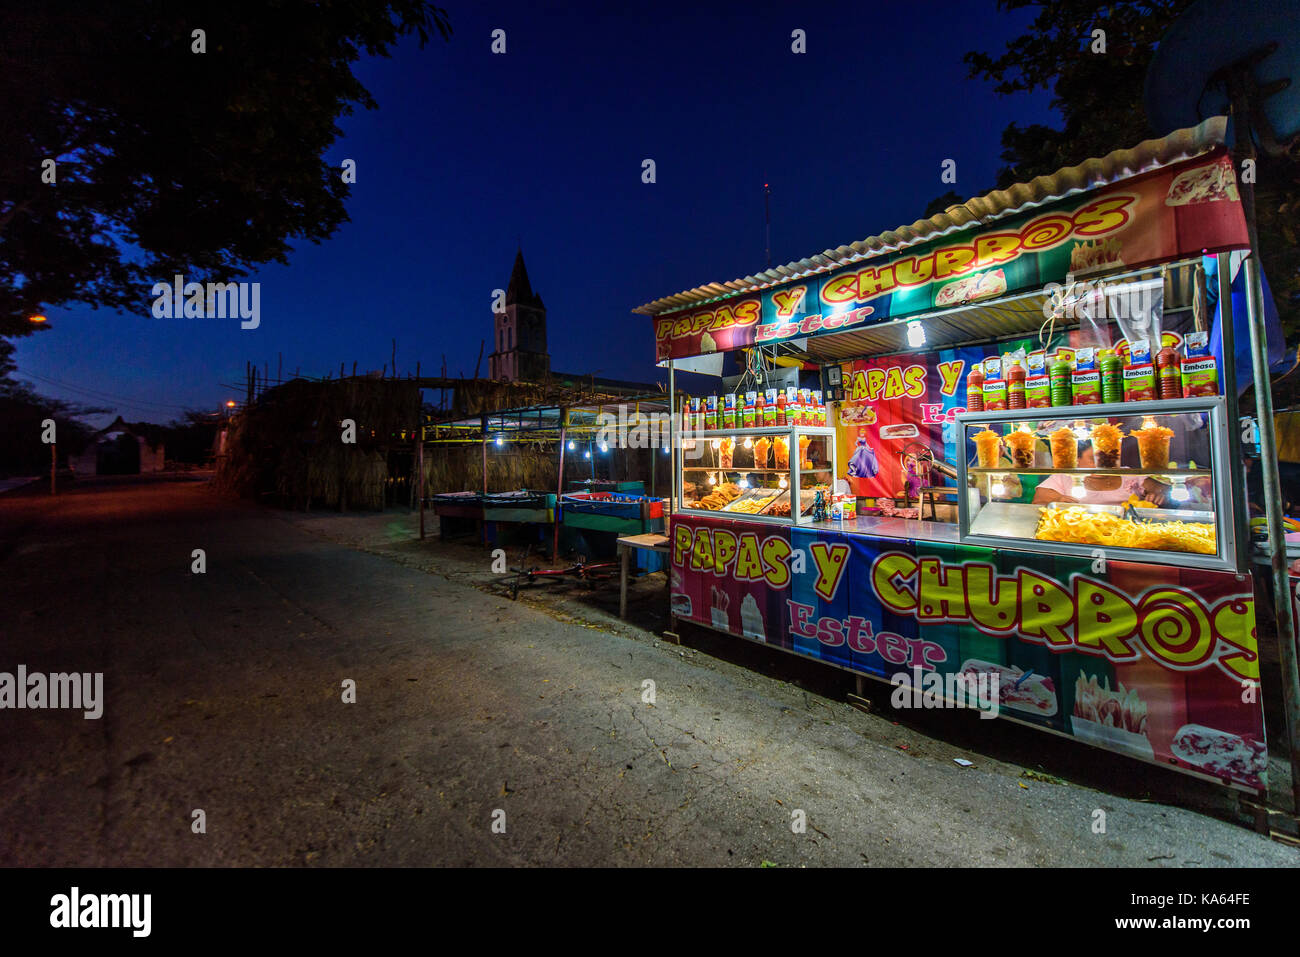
x,y
1107,619
941,590
994,601
749,566
950,376
775,552
890,566
1045,609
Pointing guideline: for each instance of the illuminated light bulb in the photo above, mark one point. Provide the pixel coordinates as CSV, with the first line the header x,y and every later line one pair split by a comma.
x,y
749,443
783,483
665,450
604,447
570,445
998,488
587,454
1149,422
1180,493
713,479
1081,432
717,443
744,481
1078,491
499,440
915,334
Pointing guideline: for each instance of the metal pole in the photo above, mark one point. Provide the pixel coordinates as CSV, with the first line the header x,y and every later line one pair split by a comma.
x,y
559,485
54,463
1228,375
419,476
1244,149
672,435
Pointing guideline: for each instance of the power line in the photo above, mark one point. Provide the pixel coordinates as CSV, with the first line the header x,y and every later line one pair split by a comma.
x,y
101,396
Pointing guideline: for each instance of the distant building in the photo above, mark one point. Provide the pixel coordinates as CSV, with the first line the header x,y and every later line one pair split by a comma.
x,y
118,450
520,332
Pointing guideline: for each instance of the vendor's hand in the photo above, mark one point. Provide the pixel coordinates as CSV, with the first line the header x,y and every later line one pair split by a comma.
x,y
1157,493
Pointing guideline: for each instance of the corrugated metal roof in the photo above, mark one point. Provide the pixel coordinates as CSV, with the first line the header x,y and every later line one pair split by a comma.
x,y
1091,174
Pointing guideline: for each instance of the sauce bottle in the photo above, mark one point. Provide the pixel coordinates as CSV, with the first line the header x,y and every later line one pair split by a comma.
x,y
975,389
1015,384
1169,370
780,407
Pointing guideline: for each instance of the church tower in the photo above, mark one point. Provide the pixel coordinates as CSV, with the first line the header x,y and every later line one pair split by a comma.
x,y
520,330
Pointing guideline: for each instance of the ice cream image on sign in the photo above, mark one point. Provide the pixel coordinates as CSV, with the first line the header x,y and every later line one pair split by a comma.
x,y
751,619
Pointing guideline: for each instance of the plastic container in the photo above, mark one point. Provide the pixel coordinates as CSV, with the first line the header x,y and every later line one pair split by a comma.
x,y
1086,380
1112,376
1140,373
1061,386
1200,369
1038,384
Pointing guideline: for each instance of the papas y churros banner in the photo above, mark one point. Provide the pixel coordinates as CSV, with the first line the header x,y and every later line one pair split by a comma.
x,y
1152,661
1178,211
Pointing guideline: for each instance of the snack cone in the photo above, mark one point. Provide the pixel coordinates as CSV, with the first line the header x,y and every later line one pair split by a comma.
x,y
1022,448
1153,446
1065,449
986,448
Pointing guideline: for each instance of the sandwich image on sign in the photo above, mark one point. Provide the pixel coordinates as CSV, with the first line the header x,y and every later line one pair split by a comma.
x,y
1208,184
982,286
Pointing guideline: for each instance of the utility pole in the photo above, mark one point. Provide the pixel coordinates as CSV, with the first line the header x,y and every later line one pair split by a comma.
x,y
767,215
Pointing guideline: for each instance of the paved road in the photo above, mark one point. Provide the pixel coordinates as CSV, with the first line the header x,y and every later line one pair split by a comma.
x,y
223,692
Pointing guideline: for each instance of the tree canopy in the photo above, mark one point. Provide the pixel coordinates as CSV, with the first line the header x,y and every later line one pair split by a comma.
x,y
1099,97
168,159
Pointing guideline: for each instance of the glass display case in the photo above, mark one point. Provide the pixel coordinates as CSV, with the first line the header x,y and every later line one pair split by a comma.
x,y
757,473
1145,481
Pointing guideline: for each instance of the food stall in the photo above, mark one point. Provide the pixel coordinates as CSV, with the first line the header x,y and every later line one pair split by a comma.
x,y
1058,347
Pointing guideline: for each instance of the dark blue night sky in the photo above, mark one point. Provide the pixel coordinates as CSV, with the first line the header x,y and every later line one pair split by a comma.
x,y
472,153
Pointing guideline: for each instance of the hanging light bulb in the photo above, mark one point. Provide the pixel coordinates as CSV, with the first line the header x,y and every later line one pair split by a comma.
x,y
570,445
1078,491
587,454
783,483
1081,431
915,334
717,443
749,443
999,489
499,440
666,450
1180,492
604,447
744,481
713,479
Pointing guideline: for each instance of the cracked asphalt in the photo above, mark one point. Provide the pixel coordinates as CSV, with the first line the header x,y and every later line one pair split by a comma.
x,y
224,693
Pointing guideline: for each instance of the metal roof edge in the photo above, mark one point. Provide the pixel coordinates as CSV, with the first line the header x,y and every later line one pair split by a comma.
x,y
1116,166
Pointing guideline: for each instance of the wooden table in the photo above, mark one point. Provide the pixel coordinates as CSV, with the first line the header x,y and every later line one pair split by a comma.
x,y
651,542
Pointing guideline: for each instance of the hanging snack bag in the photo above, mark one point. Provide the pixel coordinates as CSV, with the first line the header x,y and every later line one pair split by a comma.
x,y
1140,373
1200,370
1086,380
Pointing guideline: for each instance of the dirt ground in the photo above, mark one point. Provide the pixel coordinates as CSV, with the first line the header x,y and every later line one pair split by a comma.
x,y
224,693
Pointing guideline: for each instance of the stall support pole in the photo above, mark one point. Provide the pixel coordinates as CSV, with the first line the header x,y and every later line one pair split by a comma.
x,y
559,487
1228,375
1244,149
485,440
672,433
419,477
